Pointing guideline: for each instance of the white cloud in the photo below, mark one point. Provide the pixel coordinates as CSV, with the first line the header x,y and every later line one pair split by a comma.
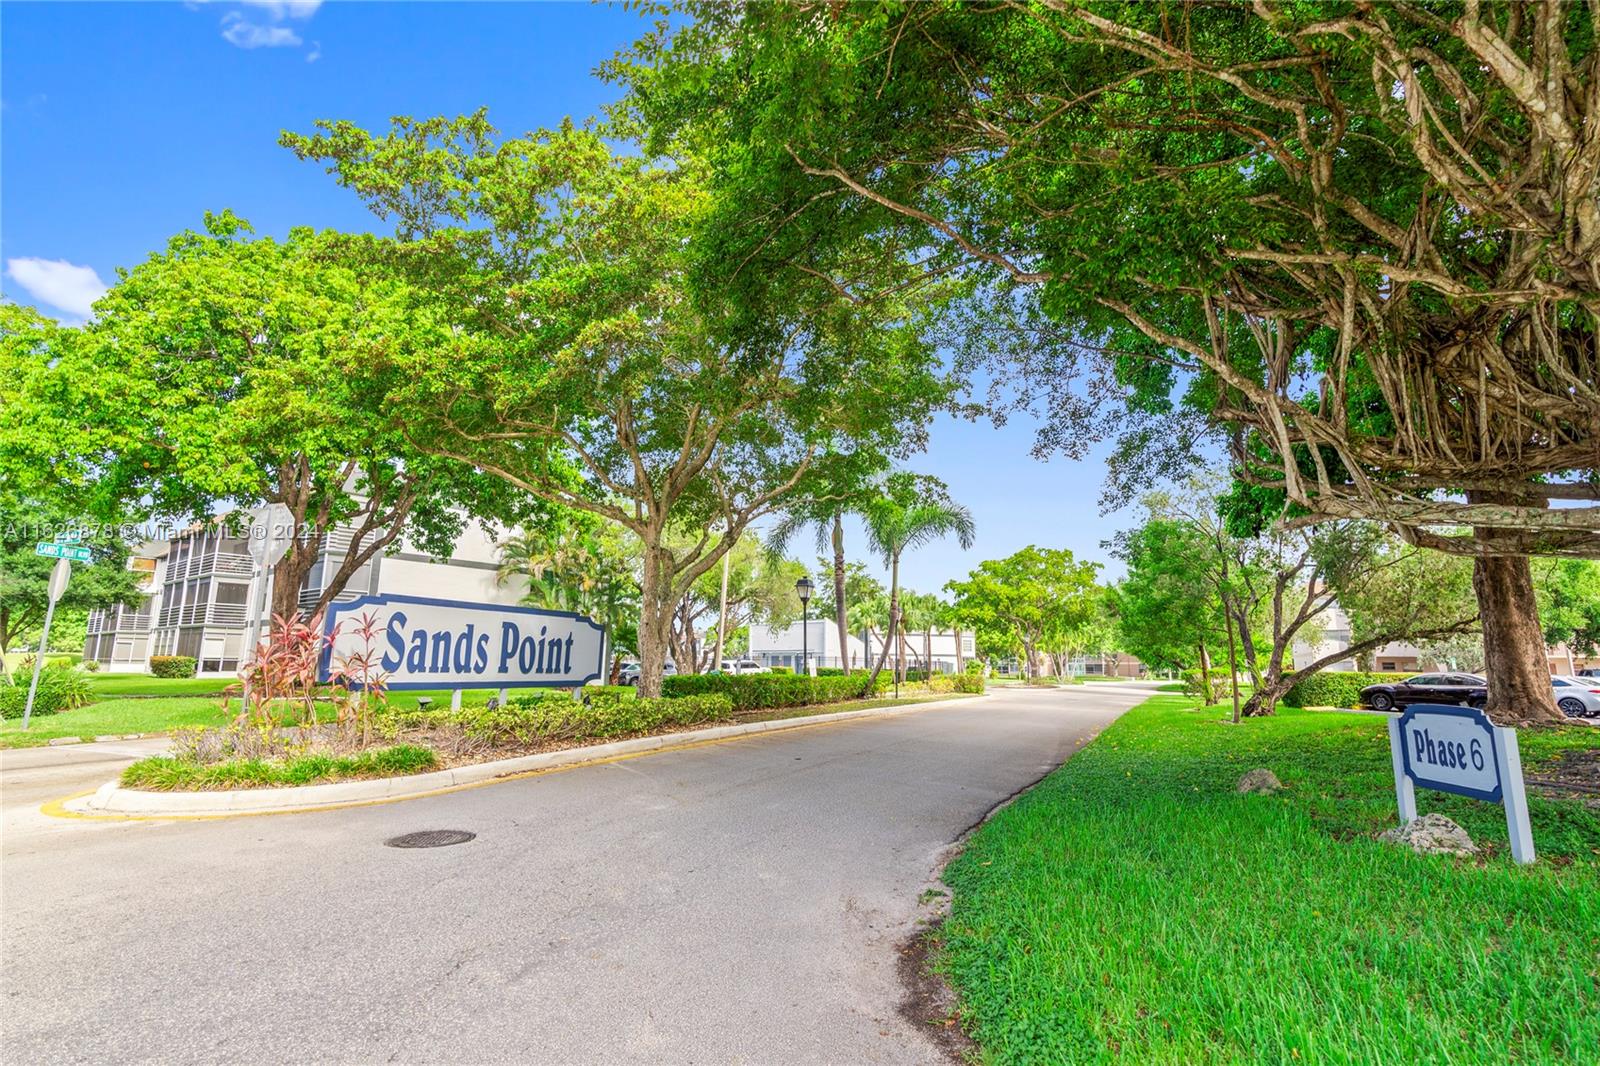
x,y
61,284
265,28
315,53
278,10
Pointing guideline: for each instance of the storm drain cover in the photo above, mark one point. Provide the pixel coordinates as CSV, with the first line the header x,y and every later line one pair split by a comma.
x,y
430,838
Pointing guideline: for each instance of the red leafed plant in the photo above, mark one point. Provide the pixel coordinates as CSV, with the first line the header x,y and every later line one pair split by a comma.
x,y
283,670
362,677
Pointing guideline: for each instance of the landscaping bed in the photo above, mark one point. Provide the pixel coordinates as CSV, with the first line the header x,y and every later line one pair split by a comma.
x,y
407,740
1135,907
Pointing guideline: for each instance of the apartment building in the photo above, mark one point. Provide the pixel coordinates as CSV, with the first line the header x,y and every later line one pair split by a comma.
x,y
202,588
118,637
787,646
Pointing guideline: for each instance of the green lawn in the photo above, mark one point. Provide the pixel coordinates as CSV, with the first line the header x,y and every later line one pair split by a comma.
x,y
114,716
111,685
1133,907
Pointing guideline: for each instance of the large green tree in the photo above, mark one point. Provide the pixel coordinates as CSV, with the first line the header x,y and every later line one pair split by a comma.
x,y
562,267
1360,237
1031,598
231,371
25,575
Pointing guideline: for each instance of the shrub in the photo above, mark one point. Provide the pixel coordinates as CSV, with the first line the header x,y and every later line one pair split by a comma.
x,y
61,688
831,671
91,665
968,682
556,716
1335,688
172,665
762,692
164,774
781,669
1193,687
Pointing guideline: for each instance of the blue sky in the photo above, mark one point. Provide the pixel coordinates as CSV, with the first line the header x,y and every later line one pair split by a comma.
x,y
124,122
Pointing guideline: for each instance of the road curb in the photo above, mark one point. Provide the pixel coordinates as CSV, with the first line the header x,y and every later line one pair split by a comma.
x,y
113,800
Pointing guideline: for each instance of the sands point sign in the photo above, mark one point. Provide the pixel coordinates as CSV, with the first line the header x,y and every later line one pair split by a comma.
x,y
427,643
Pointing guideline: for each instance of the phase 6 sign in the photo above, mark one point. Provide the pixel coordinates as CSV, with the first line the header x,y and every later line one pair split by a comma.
x,y
425,643
52,550
1457,749
1451,749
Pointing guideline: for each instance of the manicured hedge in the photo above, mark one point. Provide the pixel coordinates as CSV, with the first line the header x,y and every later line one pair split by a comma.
x,y
1336,688
557,716
172,665
760,692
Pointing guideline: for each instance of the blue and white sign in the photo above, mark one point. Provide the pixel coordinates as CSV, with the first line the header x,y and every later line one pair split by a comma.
x,y
1457,749
1451,749
427,643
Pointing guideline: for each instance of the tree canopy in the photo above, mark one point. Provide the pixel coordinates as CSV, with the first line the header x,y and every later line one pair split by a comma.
x,y
1362,236
584,367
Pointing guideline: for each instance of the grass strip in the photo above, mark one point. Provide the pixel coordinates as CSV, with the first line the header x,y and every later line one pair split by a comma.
x,y
1134,907
165,774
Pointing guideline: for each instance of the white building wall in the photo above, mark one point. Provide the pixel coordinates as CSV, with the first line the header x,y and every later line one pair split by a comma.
x,y
782,647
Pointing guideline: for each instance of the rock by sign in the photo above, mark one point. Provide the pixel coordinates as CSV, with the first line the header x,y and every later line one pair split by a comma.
x,y
1457,749
428,643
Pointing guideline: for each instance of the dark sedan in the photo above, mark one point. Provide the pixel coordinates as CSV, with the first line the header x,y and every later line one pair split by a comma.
x,y
1427,688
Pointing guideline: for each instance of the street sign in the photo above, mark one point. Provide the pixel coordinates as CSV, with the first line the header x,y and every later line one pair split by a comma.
x,y
59,576
1455,749
271,535
52,550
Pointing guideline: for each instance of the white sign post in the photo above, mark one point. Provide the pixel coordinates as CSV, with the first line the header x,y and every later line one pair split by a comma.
x,y
1458,750
59,576
268,540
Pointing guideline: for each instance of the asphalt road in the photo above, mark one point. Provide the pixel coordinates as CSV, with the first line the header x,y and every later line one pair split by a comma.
x,y
734,903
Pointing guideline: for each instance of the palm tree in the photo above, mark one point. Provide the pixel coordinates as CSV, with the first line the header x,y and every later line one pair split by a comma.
x,y
913,510
826,518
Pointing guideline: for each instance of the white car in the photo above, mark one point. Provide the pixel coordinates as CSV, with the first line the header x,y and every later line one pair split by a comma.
x,y
1578,697
748,666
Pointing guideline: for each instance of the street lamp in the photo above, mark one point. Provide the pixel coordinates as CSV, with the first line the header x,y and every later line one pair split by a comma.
x,y
802,588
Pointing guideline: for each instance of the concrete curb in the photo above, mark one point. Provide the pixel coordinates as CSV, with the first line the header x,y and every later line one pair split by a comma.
x,y
112,799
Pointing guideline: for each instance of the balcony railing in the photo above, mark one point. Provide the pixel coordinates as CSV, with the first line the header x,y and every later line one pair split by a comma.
x,y
204,564
200,614
118,620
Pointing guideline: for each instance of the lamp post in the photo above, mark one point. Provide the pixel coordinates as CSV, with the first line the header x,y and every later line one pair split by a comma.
x,y
803,589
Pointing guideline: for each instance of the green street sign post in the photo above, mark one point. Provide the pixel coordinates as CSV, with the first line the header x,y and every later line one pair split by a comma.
x,y
58,584
52,550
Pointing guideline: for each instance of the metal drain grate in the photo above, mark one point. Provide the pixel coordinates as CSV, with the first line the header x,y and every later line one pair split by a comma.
x,y
430,838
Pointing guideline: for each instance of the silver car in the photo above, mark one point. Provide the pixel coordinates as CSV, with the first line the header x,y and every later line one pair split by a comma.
x,y
1578,697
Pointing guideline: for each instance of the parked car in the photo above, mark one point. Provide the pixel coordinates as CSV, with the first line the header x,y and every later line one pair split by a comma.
x,y
1468,689
749,666
1578,697
629,674
1593,671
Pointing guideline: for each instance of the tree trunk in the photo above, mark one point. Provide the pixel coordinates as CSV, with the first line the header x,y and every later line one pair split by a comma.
x,y
839,619
927,651
655,618
1206,691
1513,645
1233,674
961,666
722,615
287,578
894,620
